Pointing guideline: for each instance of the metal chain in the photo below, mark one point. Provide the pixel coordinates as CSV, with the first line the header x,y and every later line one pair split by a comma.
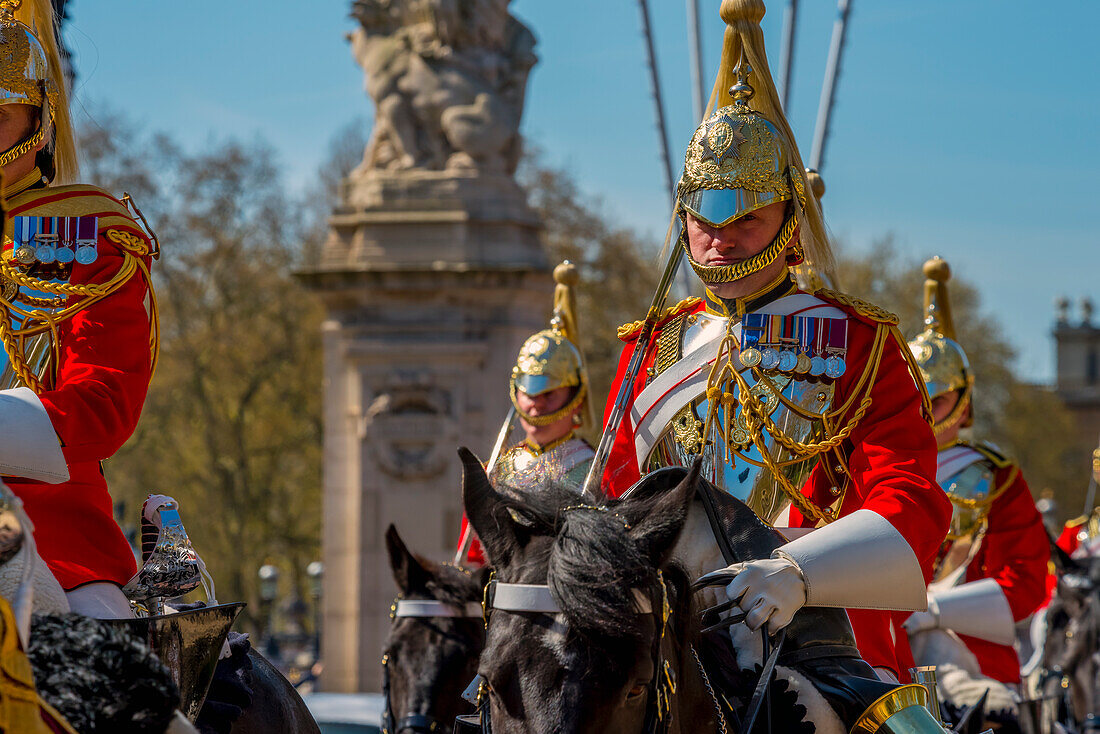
x,y
713,696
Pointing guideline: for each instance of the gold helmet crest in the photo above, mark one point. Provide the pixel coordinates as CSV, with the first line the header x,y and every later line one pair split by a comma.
x,y
31,74
942,362
743,157
551,358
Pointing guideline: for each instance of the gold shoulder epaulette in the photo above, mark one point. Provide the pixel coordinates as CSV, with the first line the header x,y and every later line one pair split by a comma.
x,y
1077,521
626,331
994,454
863,308
73,200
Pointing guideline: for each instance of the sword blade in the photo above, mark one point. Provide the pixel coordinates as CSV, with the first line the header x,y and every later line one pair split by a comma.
x,y
502,436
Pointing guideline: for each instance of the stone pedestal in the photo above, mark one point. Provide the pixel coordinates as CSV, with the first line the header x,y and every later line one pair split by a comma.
x,y
431,282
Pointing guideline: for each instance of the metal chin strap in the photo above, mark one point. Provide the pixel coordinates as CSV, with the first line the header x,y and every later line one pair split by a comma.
x,y
423,609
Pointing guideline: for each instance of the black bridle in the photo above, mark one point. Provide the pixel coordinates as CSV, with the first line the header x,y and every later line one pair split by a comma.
x,y
424,609
536,599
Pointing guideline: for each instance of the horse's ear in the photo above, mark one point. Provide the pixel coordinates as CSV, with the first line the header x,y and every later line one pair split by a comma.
x,y
486,511
663,517
1063,563
408,572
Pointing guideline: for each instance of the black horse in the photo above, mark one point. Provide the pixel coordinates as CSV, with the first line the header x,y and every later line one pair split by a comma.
x,y
432,650
1069,662
599,653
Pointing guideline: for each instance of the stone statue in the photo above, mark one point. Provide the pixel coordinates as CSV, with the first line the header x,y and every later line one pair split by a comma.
x,y
447,78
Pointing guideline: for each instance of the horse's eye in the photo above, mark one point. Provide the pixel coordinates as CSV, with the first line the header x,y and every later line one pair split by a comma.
x,y
636,691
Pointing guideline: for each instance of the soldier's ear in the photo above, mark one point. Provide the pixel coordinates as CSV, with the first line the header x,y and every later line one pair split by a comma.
x,y
487,512
662,518
409,573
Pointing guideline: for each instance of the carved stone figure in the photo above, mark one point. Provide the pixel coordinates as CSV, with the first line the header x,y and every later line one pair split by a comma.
x,y
447,78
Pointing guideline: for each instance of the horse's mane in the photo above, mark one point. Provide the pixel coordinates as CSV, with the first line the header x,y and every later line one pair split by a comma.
x,y
594,565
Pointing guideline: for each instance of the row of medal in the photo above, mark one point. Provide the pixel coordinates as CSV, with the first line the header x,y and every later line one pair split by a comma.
x,y
796,345
55,240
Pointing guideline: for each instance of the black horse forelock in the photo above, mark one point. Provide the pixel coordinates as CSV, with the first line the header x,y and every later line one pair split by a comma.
x,y
594,565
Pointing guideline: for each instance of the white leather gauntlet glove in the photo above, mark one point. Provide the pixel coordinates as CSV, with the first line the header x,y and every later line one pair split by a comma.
x,y
770,590
923,621
975,609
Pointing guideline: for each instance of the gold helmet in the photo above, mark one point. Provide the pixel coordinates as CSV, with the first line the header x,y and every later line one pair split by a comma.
x,y
550,358
31,74
942,362
743,157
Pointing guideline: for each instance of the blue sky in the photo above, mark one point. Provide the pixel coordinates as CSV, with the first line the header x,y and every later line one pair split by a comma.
x,y
965,128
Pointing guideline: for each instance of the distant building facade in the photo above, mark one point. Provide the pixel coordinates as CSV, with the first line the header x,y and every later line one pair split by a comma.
x,y
1077,365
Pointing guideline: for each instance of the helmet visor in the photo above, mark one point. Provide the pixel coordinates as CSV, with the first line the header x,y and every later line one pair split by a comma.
x,y
537,384
719,207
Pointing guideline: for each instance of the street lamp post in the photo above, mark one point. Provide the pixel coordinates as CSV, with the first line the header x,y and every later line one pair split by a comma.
x,y
316,571
269,591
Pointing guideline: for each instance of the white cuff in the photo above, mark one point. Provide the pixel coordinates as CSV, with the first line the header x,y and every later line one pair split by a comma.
x,y
858,562
29,446
977,609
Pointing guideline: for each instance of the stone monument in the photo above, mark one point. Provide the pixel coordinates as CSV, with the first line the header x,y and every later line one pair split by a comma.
x,y
432,276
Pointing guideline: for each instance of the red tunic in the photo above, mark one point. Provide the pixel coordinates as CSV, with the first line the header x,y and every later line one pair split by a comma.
x,y
1068,542
1014,553
475,556
891,457
102,378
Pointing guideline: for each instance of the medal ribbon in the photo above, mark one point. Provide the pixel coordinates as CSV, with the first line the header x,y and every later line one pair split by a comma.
x,y
838,336
806,329
86,229
752,328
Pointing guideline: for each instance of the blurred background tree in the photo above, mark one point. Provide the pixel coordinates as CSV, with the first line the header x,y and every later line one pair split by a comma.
x,y
232,423
1027,421
618,270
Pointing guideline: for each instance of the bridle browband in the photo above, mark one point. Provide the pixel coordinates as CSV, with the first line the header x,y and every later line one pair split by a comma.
x,y
536,598
427,608
423,609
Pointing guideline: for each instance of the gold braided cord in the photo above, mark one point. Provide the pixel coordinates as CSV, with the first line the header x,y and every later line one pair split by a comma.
x,y
12,153
993,496
723,372
22,148
954,417
861,307
868,377
630,329
758,421
756,263
70,289
38,321
914,371
55,302
15,355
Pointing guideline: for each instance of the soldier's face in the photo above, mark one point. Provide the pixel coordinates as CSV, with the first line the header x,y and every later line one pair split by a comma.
x,y
736,242
18,121
942,406
545,404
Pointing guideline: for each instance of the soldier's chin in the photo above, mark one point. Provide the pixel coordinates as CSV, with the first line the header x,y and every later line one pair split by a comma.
x,y
732,289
